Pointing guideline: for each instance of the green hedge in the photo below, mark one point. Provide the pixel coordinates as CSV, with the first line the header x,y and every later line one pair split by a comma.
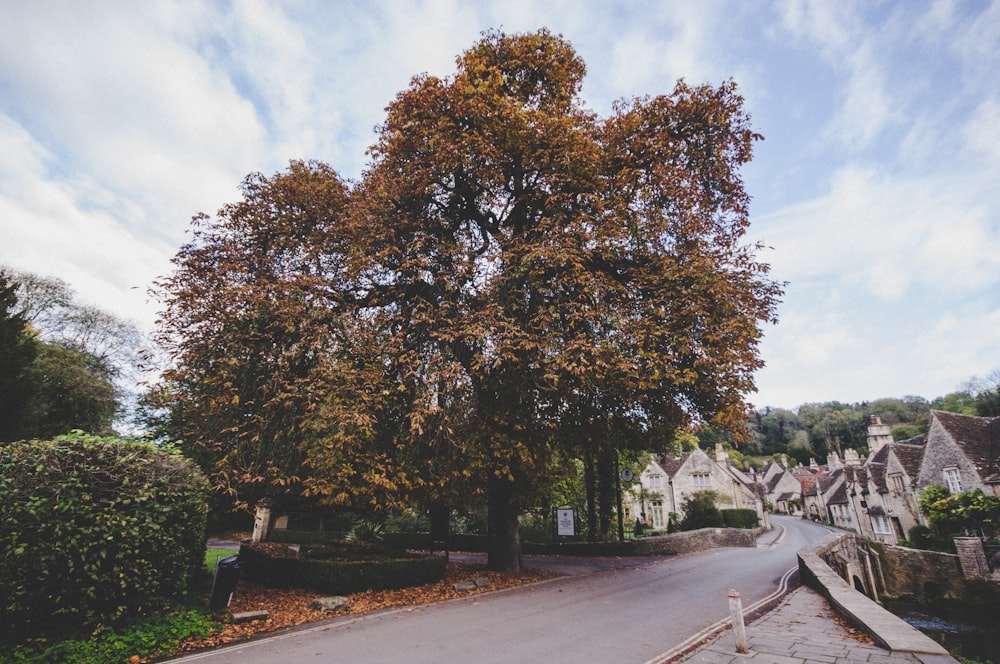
x,y
740,518
305,536
261,564
93,531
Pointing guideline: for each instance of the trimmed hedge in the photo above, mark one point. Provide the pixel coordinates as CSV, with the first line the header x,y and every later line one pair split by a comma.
x,y
93,531
740,518
350,573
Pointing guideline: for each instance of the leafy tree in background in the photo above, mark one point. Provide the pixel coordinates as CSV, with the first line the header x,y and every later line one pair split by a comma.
x,y
18,349
962,402
82,360
249,316
113,345
987,394
70,390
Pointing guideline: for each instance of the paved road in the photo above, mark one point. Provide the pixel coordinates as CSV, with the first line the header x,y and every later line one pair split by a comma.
x,y
631,615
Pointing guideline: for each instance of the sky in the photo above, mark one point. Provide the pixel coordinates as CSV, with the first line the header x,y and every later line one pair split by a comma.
x,y
876,192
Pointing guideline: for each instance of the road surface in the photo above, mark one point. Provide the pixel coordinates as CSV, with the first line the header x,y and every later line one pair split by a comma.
x,y
630,615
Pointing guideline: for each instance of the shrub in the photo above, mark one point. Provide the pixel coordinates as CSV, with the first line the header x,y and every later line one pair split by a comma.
x,y
700,511
93,531
365,530
340,569
740,518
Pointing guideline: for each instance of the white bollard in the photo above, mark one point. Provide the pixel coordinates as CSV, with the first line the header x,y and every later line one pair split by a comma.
x,y
739,629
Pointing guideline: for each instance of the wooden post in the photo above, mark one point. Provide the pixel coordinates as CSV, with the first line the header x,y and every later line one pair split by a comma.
x,y
739,629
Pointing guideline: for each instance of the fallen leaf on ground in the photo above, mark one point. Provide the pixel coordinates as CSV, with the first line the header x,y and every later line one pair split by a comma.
x,y
288,607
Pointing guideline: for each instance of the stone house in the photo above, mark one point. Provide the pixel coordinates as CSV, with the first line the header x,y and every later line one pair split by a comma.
x,y
878,497
666,481
781,487
962,453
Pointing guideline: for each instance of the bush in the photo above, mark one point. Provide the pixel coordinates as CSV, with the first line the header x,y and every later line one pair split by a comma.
x,y
94,531
740,518
700,511
339,569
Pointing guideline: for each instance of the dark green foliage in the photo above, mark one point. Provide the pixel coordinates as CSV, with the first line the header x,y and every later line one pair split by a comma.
x,y
922,537
339,569
740,518
956,514
70,391
153,637
700,511
18,349
95,531
366,530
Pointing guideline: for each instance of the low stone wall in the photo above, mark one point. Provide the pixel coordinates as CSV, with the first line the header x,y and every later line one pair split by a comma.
x,y
661,545
888,630
914,573
694,540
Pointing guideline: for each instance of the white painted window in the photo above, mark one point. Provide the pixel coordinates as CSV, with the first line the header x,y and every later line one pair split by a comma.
x,y
701,479
655,481
954,480
880,525
657,508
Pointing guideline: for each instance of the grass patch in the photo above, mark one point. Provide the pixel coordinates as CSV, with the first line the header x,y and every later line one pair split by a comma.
x,y
212,555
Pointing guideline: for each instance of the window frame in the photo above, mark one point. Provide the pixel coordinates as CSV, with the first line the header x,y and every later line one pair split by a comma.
x,y
953,479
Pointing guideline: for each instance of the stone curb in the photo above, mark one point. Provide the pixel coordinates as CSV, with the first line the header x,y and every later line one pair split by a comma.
x,y
889,630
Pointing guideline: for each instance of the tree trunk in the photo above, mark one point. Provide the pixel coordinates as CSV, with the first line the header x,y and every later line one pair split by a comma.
x,y
590,480
606,498
504,549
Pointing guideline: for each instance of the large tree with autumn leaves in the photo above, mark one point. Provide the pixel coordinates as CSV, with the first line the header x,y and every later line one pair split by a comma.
x,y
514,279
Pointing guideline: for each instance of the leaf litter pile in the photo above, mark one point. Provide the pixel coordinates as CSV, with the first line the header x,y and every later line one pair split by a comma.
x,y
288,607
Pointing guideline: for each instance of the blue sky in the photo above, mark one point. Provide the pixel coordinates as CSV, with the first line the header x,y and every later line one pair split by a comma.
x,y
876,190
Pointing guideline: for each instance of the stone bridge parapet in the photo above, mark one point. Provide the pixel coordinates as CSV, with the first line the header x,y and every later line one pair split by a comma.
x,y
848,555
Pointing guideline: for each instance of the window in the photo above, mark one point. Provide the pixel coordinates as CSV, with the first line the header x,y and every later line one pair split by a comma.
x,y
954,480
896,484
701,479
657,507
655,481
880,525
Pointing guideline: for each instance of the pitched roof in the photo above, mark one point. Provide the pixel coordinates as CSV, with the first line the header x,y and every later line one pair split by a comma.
x,y
909,457
979,438
672,464
839,495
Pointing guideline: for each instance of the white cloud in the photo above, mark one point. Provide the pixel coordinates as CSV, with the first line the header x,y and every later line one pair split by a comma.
x,y
877,181
90,249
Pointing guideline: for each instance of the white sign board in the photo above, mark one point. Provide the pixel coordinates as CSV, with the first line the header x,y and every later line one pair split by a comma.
x,y
564,522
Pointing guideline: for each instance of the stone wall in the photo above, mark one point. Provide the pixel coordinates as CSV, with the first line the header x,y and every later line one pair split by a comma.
x,y
663,545
914,573
694,540
888,630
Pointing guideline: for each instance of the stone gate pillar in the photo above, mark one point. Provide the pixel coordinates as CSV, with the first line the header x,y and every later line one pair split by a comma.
x,y
972,557
261,520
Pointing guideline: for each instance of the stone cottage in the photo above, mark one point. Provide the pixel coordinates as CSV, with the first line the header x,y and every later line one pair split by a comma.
x,y
666,481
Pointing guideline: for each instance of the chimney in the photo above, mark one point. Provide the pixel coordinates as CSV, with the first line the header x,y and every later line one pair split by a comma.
x,y
878,434
784,461
833,461
851,457
720,455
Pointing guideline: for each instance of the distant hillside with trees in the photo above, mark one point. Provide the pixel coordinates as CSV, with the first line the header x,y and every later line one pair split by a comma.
x,y
813,430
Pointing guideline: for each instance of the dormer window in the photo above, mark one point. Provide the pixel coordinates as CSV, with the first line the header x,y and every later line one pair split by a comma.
x,y
954,479
655,481
701,479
